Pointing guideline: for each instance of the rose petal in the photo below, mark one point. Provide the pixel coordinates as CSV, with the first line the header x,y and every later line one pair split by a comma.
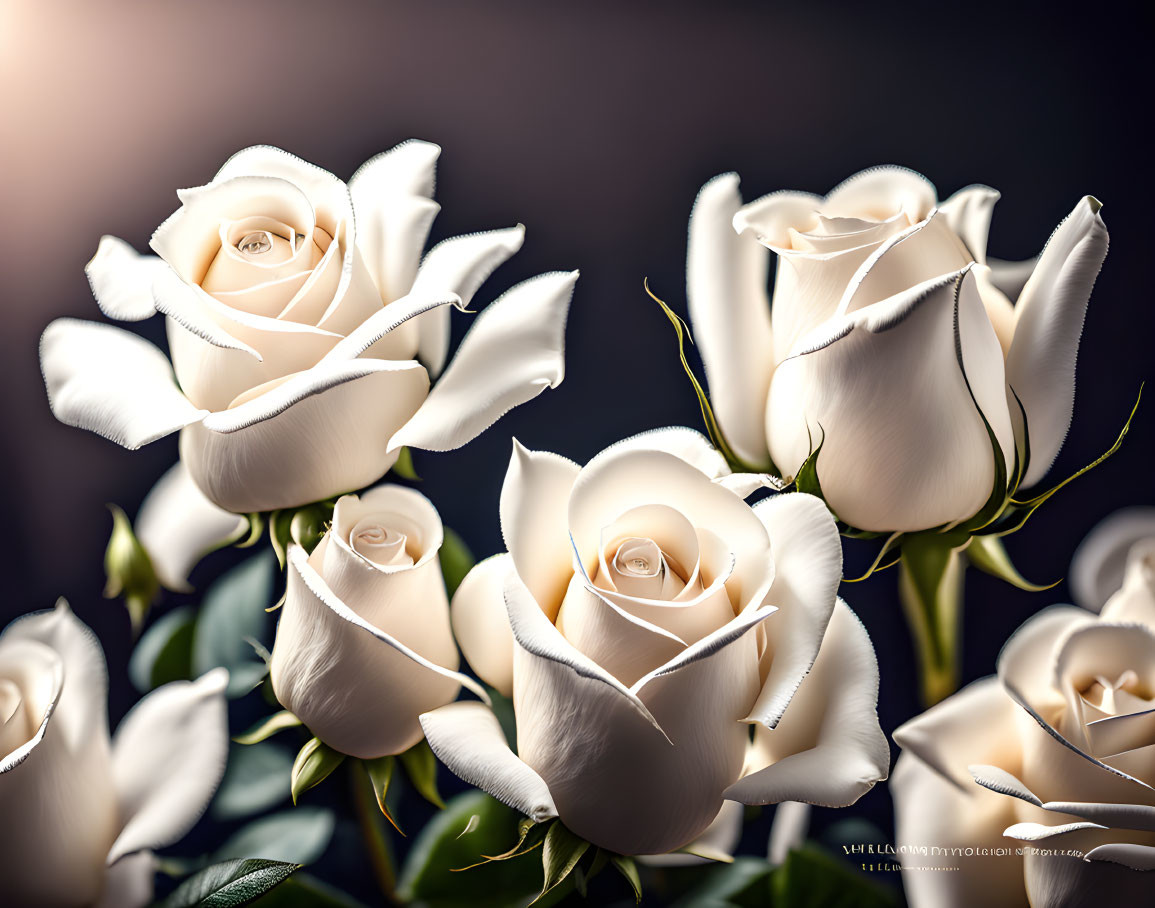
x,y
1135,600
512,353
1048,324
726,278
1010,277
366,336
481,625
391,197
807,554
331,663
112,383
168,757
468,739
129,882
254,456
720,838
177,526
459,265
121,280
879,192
889,468
1056,880
828,748
770,218
534,522
968,212
1101,561
686,444
1136,857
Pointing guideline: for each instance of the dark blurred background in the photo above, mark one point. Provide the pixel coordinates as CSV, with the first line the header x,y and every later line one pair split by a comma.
x,y
594,124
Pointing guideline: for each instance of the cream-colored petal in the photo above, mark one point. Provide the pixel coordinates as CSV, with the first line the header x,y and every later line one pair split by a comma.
x,y
121,280
720,839
112,383
1011,277
535,522
880,192
932,812
1134,602
1048,324
168,757
129,883
975,725
1113,876
807,553
366,338
481,625
968,212
468,739
887,468
828,748
770,219
392,200
1101,564
318,434
459,265
513,351
686,444
333,660
177,526
726,276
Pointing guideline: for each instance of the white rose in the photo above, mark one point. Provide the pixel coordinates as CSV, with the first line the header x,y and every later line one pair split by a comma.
x,y
81,813
296,308
643,618
1061,745
889,338
364,644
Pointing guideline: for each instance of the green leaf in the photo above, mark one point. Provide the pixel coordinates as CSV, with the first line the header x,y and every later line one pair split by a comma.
x,y
813,879
256,778
164,651
629,869
441,848
713,429
560,854
233,610
299,835
404,466
229,884
456,561
303,890
266,728
128,570
988,554
314,764
380,772
745,880
421,767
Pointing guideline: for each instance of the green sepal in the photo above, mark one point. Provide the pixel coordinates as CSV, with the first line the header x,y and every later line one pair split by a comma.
x,y
893,541
560,854
309,524
456,560
279,535
628,868
315,762
527,840
404,466
713,429
230,884
266,728
421,768
380,772
807,478
129,570
988,554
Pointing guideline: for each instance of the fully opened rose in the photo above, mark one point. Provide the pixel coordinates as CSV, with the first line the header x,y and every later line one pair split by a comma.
x,y
1039,784
82,812
306,331
642,620
364,644
890,340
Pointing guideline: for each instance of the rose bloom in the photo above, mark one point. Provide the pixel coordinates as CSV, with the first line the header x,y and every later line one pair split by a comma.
x,y
364,644
1052,761
81,813
642,620
889,340
297,309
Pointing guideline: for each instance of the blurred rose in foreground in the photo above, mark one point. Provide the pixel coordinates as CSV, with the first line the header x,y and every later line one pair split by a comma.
x,y
642,620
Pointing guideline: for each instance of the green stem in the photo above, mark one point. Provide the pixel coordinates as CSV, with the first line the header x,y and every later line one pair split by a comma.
x,y
373,832
930,586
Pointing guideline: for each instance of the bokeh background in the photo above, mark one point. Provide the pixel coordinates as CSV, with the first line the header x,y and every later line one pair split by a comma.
x,y
593,124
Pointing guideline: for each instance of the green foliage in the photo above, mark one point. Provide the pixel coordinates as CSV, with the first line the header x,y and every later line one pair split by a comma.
x,y
315,762
128,570
266,728
299,835
421,767
456,560
561,852
811,878
233,613
164,651
229,884
988,554
302,890
380,772
257,777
